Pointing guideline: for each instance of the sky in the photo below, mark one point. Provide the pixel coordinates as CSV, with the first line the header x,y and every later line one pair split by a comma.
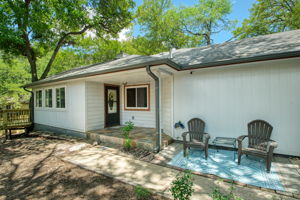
x,y
240,11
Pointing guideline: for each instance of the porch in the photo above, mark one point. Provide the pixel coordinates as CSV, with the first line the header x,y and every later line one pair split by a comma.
x,y
141,137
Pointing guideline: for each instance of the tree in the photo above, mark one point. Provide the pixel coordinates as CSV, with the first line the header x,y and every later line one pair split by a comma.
x,y
270,16
142,45
206,18
186,26
13,74
159,21
33,28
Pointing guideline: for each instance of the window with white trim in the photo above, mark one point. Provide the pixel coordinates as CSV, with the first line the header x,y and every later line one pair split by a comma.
x,y
137,97
48,98
39,98
60,97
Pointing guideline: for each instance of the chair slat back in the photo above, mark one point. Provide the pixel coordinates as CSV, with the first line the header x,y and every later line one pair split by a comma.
x,y
259,133
196,128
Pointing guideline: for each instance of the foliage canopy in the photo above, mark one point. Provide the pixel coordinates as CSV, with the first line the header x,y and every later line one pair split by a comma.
x,y
33,28
270,16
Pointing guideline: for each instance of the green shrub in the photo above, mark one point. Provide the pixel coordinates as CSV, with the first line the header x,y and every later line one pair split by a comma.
x,y
129,126
127,143
142,193
182,186
218,195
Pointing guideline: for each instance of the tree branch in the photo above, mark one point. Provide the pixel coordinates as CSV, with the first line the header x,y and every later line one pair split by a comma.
x,y
58,46
26,48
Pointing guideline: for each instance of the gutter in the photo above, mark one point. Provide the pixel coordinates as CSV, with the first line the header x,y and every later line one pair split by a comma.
x,y
157,106
31,105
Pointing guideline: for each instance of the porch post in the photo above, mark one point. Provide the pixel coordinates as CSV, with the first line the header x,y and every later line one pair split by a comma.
x,y
157,106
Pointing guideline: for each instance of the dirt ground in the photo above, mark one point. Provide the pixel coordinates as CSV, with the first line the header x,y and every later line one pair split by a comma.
x,y
30,170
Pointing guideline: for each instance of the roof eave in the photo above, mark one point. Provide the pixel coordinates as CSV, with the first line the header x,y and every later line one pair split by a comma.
x,y
175,66
165,61
244,60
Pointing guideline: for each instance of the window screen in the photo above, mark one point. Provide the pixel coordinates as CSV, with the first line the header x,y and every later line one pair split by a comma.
x,y
137,97
48,98
38,98
60,98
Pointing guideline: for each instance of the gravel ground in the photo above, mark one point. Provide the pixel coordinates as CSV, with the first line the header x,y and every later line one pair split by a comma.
x,y
30,170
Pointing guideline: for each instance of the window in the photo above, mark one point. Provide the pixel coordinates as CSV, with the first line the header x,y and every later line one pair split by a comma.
x,y
48,98
137,97
38,98
60,97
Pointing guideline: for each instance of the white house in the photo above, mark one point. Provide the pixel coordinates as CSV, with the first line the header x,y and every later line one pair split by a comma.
x,y
226,85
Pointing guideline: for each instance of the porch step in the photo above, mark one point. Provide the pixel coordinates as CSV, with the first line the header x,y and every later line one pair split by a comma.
x,y
147,142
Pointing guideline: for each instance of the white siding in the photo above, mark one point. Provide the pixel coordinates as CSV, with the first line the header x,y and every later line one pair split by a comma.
x,y
72,117
166,105
227,98
94,105
140,118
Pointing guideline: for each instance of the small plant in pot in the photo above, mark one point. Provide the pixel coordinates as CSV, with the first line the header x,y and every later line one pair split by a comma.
x,y
129,126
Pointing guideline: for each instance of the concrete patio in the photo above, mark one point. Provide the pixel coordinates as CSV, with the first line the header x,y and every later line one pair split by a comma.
x,y
156,178
141,137
288,169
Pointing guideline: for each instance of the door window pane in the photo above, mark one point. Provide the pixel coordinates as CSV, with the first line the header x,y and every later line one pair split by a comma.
x,y
112,101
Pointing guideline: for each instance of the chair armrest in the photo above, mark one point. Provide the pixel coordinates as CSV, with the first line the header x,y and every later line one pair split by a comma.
x,y
270,148
241,138
206,135
184,136
273,144
240,142
206,138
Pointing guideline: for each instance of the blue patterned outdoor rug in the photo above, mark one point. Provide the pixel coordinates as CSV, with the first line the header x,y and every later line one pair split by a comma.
x,y
251,170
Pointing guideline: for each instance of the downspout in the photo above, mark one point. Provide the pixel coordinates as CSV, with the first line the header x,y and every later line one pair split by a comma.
x,y
31,106
157,106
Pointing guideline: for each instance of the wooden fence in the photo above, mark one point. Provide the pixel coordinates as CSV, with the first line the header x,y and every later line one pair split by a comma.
x,y
13,119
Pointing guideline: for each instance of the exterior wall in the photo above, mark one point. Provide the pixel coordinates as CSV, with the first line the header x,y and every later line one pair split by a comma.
x,y
227,98
94,106
59,131
139,118
167,105
72,117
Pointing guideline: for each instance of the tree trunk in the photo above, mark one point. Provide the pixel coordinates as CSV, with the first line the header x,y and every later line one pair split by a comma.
x,y
33,68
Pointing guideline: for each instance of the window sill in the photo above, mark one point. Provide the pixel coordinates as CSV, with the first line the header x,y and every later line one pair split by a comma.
x,y
50,109
137,109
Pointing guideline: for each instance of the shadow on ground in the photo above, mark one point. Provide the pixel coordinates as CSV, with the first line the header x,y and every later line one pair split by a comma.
x,y
29,170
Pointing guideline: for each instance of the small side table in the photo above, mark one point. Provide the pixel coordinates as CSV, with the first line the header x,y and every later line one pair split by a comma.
x,y
219,141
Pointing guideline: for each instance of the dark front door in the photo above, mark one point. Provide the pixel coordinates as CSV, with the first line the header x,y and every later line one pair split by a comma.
x,y
112,106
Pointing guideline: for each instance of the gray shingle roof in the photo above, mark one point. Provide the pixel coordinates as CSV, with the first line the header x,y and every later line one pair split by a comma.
x,y
251,47
278,45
